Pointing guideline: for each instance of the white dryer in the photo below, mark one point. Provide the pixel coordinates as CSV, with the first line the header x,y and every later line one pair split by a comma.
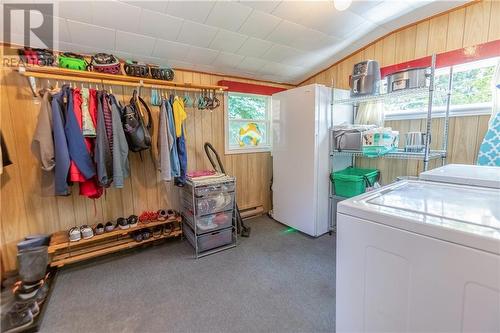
x,y
475,175
418,256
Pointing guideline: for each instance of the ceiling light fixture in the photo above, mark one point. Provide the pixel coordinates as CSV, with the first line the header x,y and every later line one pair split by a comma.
x,y
341,5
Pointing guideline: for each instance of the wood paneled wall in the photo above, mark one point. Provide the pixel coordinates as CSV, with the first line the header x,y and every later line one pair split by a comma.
x,y
475,23
25,211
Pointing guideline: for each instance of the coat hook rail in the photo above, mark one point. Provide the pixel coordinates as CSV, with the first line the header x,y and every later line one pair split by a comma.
x,y
64,74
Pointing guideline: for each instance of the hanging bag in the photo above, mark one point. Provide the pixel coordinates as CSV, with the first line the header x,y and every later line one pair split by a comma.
x,y
137,132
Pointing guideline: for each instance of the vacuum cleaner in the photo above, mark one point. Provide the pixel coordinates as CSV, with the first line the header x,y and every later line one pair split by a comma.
x,y
241,228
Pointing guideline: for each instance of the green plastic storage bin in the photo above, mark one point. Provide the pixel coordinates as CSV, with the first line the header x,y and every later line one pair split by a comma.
x,y
353,181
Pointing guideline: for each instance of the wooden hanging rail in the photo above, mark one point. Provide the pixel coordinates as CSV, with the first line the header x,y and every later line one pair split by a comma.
x,y
56,73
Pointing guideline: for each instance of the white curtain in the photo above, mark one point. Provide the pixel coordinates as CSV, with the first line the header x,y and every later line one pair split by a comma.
x,y
371,113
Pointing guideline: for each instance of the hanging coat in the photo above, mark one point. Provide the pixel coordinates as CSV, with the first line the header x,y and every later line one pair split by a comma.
x,y
88,124
88,187
76,144
179,118
102,153
42,145
121,167
61,152
163,143
174,157
74,174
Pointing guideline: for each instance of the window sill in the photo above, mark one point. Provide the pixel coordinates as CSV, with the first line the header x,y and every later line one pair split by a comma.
x,y
460,111
233,151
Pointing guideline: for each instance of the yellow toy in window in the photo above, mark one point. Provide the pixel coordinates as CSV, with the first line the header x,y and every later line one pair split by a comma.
x,y
250,135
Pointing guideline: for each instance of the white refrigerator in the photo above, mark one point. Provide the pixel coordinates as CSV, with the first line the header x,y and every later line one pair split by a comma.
x,y
301,118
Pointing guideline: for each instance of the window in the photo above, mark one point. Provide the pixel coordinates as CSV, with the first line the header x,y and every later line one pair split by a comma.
x,y
471,92
247,123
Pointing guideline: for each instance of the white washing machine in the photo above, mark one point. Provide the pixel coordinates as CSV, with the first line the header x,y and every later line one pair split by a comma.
x,y
476,175
418,256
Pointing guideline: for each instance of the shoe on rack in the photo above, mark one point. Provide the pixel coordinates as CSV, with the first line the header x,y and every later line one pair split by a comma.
x,y
74,234
86,231
162,215
137,236
167,229
14,321
99,229
157,231
122,223
109,226
132,221
146,234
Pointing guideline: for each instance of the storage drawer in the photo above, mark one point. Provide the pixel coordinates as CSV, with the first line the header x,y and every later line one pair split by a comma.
x,y
211,189
210,222
209,204
209,241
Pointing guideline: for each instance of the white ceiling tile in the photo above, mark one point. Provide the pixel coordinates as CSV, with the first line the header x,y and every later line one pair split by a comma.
x,y
160,25
85,34
323,16
196,11
312,40
75,10
170,50
285,32
293,11
278,53
115,15
196,34
264,6
360,7
62,25
280,69
227,60
201,55
227,41
157,6
134,43
60,33
228,15
259,24
295,58
254,47
250,64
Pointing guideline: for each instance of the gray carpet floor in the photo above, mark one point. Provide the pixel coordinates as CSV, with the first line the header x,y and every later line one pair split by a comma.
x,y
278,280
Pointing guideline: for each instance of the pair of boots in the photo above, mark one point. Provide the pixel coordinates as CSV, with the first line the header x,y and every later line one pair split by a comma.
x,y
21,301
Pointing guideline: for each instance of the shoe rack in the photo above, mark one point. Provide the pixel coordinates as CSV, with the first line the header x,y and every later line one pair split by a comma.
x,y
62,251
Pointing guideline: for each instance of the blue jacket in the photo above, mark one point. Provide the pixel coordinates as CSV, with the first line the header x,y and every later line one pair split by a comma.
x,y
61,152
76,143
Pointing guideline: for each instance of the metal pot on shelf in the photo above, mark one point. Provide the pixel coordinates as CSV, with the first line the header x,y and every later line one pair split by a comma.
x,y
408,79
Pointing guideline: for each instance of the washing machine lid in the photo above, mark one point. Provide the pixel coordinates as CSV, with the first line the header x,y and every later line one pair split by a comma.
x,y
460,214
476,175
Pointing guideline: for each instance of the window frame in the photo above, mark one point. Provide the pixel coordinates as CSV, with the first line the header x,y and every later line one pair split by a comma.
x,y
232,150
464,110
